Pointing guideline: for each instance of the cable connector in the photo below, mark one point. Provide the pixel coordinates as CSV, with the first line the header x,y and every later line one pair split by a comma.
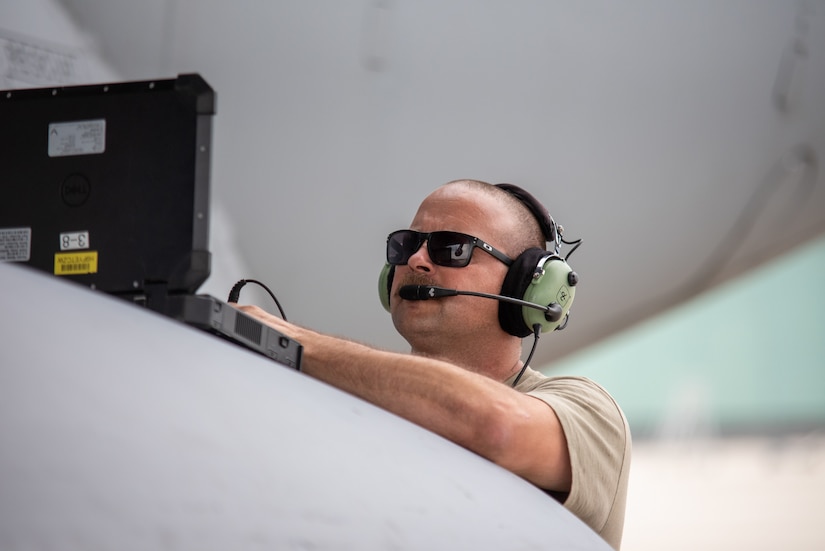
x,y
235,293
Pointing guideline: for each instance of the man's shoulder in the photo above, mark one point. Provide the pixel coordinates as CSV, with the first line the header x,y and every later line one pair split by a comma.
x,y
574,396
533,380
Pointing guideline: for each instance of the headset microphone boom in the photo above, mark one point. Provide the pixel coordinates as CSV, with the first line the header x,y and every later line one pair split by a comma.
x,y
552,312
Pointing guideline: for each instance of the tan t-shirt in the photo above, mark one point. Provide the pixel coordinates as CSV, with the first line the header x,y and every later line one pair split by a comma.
x,y
598,438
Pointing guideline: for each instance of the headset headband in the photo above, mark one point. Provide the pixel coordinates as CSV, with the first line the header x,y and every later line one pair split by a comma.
x,y
540,213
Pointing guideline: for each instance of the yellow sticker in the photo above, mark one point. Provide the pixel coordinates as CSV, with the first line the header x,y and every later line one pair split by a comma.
x,y
75,263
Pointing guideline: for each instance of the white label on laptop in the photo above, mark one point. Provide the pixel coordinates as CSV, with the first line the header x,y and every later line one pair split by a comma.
x,y
15,244
77,138
72,241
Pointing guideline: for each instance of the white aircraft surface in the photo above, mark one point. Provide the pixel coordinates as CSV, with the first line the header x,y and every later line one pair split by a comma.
x,y
123,429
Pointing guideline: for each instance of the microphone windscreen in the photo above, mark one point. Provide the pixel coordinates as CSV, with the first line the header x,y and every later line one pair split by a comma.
x,y
413,292
425,292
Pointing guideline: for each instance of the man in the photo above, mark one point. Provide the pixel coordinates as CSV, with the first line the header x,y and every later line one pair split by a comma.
x,y
563,434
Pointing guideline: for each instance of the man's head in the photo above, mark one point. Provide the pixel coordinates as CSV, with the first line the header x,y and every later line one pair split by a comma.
x,y
505,228
524,232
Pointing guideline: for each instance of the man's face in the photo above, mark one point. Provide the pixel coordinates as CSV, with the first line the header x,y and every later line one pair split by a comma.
x,y
453,321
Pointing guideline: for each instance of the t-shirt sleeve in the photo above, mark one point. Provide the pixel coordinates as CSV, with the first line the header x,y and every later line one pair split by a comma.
x,y
598,439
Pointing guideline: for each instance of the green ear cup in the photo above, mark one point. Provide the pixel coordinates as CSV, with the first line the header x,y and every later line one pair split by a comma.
x,y
556,284
384,282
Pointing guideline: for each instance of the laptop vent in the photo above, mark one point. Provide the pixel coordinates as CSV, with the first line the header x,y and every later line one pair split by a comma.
x,y
248,328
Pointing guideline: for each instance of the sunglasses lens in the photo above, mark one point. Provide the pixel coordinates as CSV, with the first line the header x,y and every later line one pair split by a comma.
x,y
446,248
401,245
450,249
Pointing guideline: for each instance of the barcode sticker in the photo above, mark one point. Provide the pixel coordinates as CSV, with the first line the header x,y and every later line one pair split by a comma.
x,y
75,263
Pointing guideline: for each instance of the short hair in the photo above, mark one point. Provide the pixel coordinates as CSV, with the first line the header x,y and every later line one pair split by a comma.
x,y
528,232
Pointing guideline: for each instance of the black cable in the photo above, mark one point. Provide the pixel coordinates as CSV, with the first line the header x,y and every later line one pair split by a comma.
x,y
575,243
536,333
235,293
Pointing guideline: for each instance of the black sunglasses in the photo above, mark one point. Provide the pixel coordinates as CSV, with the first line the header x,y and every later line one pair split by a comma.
x,y
446,248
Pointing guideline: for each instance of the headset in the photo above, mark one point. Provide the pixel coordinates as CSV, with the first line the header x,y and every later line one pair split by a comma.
x,y
540,280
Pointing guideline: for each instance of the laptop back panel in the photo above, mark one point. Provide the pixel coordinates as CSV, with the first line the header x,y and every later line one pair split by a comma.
x,y
108,185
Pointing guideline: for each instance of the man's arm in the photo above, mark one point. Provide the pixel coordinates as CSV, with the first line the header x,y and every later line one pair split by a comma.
x,y
514,430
